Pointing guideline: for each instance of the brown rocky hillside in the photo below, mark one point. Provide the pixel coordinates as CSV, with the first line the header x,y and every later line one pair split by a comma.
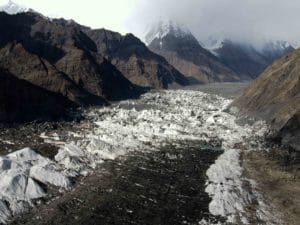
x,y
135,60
275,97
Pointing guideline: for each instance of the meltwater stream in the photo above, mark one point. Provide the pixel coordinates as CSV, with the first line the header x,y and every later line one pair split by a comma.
x,y
170,157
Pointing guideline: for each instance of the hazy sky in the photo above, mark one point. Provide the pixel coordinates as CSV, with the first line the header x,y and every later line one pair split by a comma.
x,y
239,19
111,14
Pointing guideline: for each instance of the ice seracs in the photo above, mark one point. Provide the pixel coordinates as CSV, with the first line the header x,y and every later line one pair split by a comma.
x,y
13,8
177,116
146,124
21,175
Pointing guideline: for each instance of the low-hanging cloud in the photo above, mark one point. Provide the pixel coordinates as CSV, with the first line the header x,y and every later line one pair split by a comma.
x,y
240,20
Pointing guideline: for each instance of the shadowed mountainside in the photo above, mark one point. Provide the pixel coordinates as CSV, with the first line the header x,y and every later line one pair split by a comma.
x,y
61,59
247,61
23,101
135,60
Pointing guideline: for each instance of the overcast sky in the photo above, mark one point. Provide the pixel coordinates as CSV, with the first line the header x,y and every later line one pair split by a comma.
x,y
251,20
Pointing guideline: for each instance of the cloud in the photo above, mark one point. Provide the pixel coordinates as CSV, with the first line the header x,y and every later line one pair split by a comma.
x,y
250,20
241,20
110,14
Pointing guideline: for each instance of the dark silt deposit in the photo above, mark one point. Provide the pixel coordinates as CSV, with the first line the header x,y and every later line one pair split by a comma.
x,y
17,136
162,187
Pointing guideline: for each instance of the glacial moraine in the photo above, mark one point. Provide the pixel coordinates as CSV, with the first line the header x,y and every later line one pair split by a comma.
x,y
170,157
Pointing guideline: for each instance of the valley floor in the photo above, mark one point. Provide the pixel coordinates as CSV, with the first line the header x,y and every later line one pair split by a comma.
x,y
170,157
278,183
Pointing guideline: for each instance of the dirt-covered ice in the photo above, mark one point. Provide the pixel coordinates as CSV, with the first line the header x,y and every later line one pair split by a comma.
x,y
156,119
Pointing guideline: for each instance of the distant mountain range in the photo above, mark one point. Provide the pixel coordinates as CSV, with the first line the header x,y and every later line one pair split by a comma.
x,y
178,45
246,59
221,59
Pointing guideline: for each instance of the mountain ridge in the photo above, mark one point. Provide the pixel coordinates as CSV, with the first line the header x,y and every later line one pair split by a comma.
x,y
247,59
135,60
59,56
275,97
184,52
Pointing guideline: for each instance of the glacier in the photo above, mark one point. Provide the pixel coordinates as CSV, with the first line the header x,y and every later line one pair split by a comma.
x,y
146,124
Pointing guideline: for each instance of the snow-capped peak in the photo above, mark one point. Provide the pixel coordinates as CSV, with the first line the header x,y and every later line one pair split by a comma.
x,y
215,42
277,45
165,27
13,8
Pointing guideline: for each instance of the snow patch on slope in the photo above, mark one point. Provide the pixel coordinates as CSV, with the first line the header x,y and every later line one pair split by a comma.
x,y
213,45
275,47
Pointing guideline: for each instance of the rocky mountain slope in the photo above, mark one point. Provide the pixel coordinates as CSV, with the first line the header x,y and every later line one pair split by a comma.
x,y
64,50
87,67
40,72
275,97
135,60
130,56
178,45
23,101
245,59
60,59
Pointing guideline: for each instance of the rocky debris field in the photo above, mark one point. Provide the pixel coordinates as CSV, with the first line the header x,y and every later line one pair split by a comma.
x,y
161,187
171,154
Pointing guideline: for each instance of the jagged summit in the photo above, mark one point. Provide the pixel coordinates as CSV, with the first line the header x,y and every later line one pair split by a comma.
x,y
244,57
277,44
276,48
215,42
265,46
165,27
180,47
14,8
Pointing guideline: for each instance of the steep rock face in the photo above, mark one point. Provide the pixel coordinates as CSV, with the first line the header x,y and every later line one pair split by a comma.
x,y
245,59
184,52
134,60
40,72
290,133
64,50
275,95
22,101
